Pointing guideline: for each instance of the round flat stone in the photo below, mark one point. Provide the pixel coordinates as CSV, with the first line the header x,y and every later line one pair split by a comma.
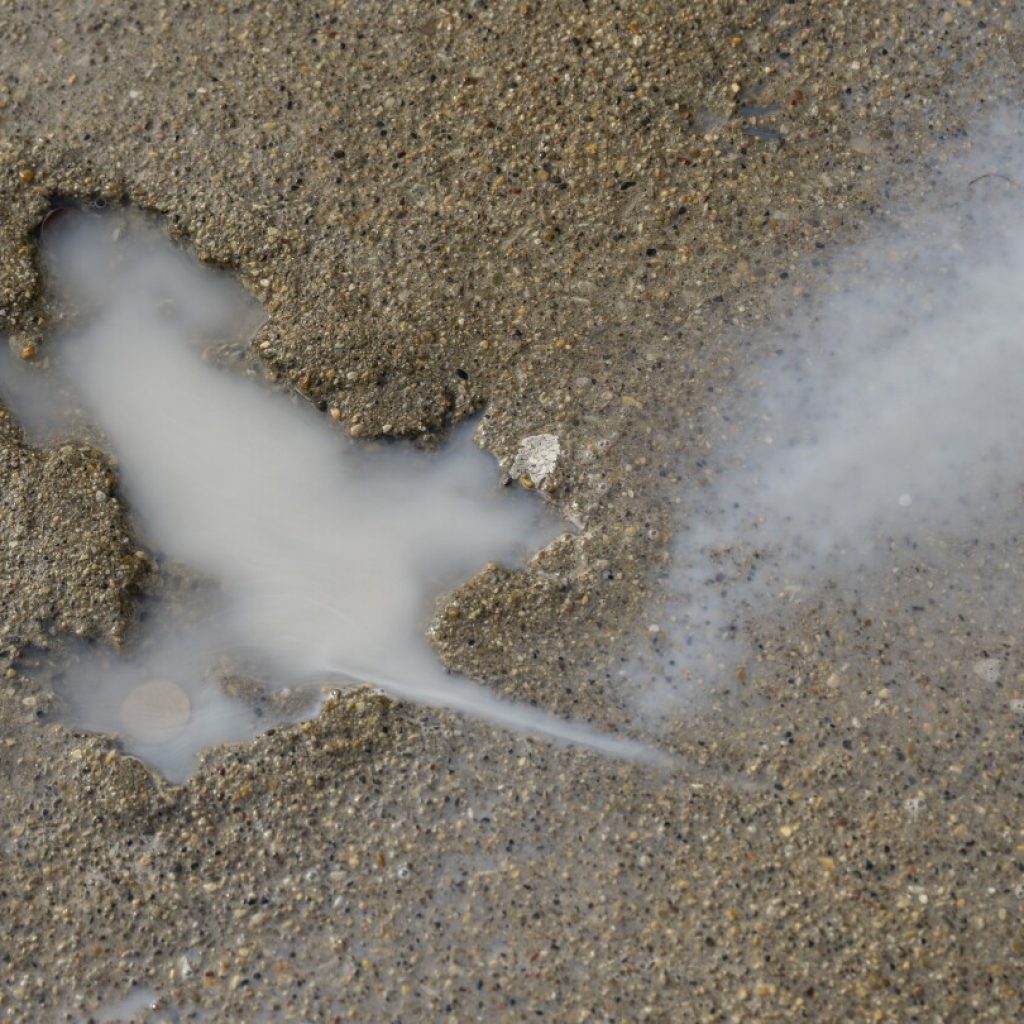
x,y
155,711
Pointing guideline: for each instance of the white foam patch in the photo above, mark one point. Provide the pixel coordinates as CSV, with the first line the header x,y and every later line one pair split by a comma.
x,y
326,558
880,432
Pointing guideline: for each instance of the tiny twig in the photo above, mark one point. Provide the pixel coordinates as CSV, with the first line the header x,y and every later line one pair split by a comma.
x,y
994,174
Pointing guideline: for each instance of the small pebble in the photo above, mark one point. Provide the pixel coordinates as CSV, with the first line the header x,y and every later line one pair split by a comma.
x,y
988,669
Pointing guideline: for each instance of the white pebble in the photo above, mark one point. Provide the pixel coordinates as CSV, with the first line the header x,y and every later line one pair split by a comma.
x,y
988,669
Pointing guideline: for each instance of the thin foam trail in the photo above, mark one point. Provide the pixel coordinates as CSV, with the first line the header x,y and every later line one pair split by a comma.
x,y
468,698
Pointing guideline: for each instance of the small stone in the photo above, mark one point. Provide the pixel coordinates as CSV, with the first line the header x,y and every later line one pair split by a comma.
x,y
536,459
988,670
27,175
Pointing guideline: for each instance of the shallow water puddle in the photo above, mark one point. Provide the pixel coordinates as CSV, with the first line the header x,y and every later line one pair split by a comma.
x,y
324,555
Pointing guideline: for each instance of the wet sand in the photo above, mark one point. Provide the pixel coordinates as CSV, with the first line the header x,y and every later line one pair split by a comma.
x,y
574,219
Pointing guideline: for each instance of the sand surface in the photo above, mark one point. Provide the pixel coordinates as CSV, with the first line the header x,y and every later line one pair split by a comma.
x,y
572,215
